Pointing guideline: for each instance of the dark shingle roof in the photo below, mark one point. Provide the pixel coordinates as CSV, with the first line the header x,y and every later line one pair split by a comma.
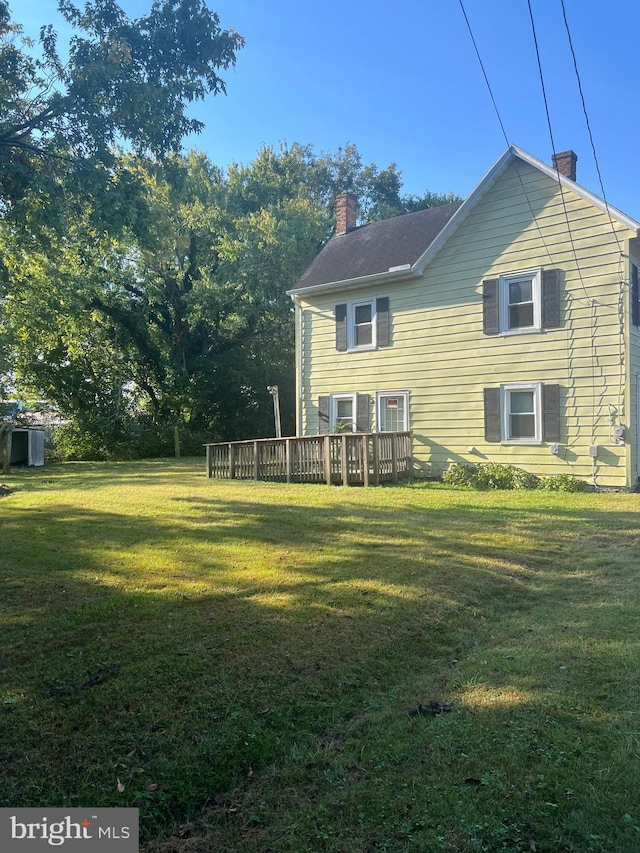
x,y
376,247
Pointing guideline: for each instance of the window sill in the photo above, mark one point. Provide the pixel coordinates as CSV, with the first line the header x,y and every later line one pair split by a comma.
x,y
362,349
510,333
525,442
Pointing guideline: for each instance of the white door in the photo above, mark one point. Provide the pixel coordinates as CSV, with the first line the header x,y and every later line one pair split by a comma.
x,y
36,447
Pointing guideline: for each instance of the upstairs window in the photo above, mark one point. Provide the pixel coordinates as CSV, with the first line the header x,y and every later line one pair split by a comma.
x,y
362,324
361,316
521,302
520,298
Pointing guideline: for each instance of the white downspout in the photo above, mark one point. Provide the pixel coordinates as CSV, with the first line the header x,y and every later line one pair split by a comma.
x,y
299,349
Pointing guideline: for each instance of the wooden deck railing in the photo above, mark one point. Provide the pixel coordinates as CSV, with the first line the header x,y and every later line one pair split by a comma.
x,y
342,458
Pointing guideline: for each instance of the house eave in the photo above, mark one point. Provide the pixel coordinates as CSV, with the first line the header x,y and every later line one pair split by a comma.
x,y
417,269
354,283
491,177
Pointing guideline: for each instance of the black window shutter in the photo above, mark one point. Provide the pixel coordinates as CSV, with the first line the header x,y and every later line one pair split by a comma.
x,y
363,411
382,321
323,415
492,414
341,327
551,413
490,307
635,296
550,299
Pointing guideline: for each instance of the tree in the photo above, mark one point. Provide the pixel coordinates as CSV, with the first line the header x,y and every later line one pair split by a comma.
x,y
178,316
121,83
124,82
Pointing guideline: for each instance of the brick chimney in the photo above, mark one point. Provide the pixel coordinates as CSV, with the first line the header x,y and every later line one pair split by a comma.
x,y
346,205
565,163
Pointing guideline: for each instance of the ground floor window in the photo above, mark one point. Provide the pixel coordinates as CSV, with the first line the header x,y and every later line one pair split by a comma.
x,y
343,413
522,412
392,412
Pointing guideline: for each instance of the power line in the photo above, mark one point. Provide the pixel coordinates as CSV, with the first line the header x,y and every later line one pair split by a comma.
x,y
591,301
553,148
586,117
504,133
486,79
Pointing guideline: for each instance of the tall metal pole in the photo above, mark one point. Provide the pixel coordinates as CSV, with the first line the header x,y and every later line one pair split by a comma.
x,y
273,390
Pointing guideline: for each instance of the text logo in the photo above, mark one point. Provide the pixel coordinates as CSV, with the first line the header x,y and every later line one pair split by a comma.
x,y
34,830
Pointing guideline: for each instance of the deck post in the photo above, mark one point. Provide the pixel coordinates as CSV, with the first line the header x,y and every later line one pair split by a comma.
x,y
343,460
256,461
376,458
209,455
327,459
287,458
394,458
232,462
364,448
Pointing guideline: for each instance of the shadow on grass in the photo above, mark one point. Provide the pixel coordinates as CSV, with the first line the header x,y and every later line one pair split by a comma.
x,y
163,661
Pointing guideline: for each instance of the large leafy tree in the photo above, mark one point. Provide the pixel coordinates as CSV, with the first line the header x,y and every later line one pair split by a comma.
x,y
119,81
179,315
66,109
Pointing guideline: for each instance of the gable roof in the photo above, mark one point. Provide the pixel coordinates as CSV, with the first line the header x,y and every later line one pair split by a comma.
x,y
402,247
378,247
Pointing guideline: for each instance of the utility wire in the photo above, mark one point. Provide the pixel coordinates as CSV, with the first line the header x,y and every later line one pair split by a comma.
x,y
553,148
590,300
504,132
586,117
486,79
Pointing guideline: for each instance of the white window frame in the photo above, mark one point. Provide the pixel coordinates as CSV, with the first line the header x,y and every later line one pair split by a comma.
x,y
505,408
533,275
334,399
383,395
351,325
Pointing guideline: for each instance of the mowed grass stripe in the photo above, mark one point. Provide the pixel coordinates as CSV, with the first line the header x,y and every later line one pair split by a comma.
x,y
253,665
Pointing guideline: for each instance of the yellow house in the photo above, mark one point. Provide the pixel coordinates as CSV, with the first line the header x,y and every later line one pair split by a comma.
x,y
505,328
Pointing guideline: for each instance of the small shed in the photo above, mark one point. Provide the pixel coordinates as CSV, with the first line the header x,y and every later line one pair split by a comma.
x,y
27,446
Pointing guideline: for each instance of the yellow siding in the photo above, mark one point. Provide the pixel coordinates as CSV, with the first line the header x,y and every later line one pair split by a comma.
x,y
440,355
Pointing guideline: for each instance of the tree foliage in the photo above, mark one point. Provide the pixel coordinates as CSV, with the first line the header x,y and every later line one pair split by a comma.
x,y
145,290
172,309
118,82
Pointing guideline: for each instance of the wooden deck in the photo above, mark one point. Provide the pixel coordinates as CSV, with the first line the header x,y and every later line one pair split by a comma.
x,y
353,459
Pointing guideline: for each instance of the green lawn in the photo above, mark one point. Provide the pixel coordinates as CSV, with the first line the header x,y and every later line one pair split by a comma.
x,y
303,668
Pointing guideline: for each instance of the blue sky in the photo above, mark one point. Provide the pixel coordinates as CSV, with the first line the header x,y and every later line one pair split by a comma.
x,y
401,80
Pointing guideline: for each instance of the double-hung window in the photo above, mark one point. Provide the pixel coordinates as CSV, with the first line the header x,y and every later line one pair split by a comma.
x,y
521,305
521,412
521,302
343,413
362,326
